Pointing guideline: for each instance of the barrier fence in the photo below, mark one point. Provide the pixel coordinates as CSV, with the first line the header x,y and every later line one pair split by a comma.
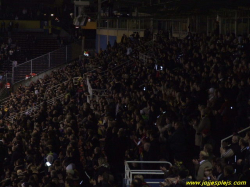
x,y
30,110
46,62
240,133
130,172
103,92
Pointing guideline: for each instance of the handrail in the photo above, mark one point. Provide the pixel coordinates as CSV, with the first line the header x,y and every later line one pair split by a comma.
x,y
11,118
103,74
129,173
40,56
7,98
159,172
144,57
48,59
150,162
127,62
232,135
55,87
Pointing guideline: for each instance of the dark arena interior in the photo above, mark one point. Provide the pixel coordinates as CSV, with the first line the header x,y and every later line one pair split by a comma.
x,y
122,93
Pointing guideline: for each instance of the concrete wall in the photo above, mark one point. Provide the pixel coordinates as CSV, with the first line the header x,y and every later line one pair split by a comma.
x,y
103,42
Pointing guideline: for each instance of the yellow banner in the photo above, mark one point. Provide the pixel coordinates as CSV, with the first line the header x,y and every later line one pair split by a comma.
x,y
24,24
90,25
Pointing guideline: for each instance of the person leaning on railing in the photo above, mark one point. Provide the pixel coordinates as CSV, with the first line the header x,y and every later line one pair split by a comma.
x,y
179,181
245,161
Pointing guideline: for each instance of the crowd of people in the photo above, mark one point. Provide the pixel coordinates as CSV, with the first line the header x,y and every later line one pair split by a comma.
x,y
174,107
9,51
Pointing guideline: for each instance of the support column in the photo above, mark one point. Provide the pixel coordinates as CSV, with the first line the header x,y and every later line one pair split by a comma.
x,y
152,25
99,38
179,29
248,26
99,12
99,23
107,31
127,27
13,73
83,43
31,67
196,29
117,26
207,25
225,25
235,22
220,25
74,10
66,53
49,60
139,25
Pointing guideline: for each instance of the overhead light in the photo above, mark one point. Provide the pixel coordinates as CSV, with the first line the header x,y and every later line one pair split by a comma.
x,y
71,14
44,14
77,27
51,15
89,20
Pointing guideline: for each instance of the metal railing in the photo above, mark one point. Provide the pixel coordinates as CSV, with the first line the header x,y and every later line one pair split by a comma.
x,y
144,58
136,23
55,88
46,62
129,172
103,92
244,130
89,87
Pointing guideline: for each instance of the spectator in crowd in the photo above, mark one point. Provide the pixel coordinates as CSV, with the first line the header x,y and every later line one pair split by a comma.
x,y
178,146
228,174
203,125
52,136
207,139
219,170
201,165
